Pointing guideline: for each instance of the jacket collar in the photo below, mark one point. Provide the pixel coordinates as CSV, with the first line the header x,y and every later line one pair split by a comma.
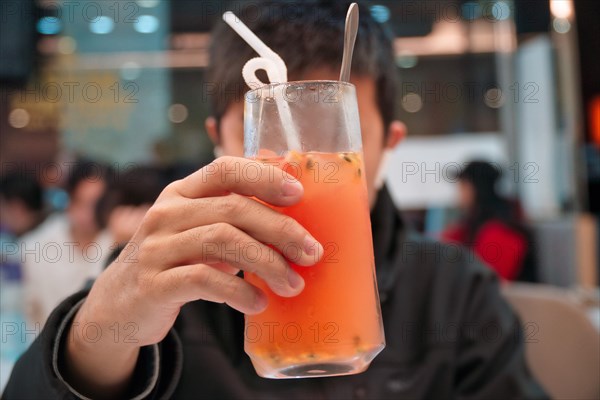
x,y
388,235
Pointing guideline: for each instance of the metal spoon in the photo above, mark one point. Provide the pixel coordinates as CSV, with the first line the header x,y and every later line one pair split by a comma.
x,y
349,39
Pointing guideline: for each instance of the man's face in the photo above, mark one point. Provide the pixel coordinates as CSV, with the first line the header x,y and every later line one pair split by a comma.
x,y
15,215
231,129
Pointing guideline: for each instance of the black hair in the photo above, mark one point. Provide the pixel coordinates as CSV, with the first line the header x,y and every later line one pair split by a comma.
x,y
134,187
86,170
307,35
488,204
18,186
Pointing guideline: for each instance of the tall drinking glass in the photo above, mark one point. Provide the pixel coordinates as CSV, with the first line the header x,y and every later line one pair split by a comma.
x,y
334,326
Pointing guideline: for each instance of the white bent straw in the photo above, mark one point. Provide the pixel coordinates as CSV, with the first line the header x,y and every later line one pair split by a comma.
x,y
276,70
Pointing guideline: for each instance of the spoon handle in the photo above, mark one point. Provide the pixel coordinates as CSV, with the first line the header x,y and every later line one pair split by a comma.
x,y
349,39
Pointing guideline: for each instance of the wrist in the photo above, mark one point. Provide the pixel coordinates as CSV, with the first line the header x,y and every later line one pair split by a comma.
x,y
97,361
99,325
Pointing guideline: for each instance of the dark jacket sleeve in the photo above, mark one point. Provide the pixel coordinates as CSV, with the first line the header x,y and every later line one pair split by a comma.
x,y
37,373
491,358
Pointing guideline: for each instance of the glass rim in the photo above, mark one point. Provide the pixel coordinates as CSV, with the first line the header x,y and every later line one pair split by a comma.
x,y
275,85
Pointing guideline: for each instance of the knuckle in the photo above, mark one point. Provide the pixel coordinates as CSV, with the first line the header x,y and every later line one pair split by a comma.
x,y
242,204
288,225
220,232
187,238
198,277
274,272
229,205
156,215
280,280
170,189
218,165
232,287
210,233
277,259
214,165
257,254
203,278
225,160
150,246
189,278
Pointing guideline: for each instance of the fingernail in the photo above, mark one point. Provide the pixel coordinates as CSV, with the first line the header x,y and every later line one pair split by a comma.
x,y
295,280
291,187
311,246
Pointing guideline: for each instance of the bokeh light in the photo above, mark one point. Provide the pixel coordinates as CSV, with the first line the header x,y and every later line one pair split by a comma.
x,y
146,24
412,102
18,118
49,25
178,113
102,25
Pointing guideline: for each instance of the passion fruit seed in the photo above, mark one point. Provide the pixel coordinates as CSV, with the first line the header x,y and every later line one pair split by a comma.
x,y
294,158
349,157
310,163
275,357
309,356
293,155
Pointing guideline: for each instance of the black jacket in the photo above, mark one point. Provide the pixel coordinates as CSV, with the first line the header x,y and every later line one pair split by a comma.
x,y
449,334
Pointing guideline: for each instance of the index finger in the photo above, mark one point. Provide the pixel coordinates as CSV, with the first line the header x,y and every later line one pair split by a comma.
x,y
242,176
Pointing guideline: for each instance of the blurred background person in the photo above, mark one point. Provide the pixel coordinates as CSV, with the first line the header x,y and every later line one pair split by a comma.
x,y
491,225
21,204
125,202
21,209
62,253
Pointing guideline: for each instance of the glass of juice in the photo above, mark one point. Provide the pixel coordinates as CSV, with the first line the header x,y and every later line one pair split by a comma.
x,y
334,326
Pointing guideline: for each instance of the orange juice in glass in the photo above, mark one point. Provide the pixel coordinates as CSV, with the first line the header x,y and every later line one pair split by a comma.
x,y
334,326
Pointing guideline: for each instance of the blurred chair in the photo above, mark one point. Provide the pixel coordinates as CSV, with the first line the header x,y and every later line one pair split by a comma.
x,y
562,343
567,251
555,251
587,251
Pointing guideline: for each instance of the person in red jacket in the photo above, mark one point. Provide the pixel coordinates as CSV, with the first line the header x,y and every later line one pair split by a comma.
x,y
491,225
